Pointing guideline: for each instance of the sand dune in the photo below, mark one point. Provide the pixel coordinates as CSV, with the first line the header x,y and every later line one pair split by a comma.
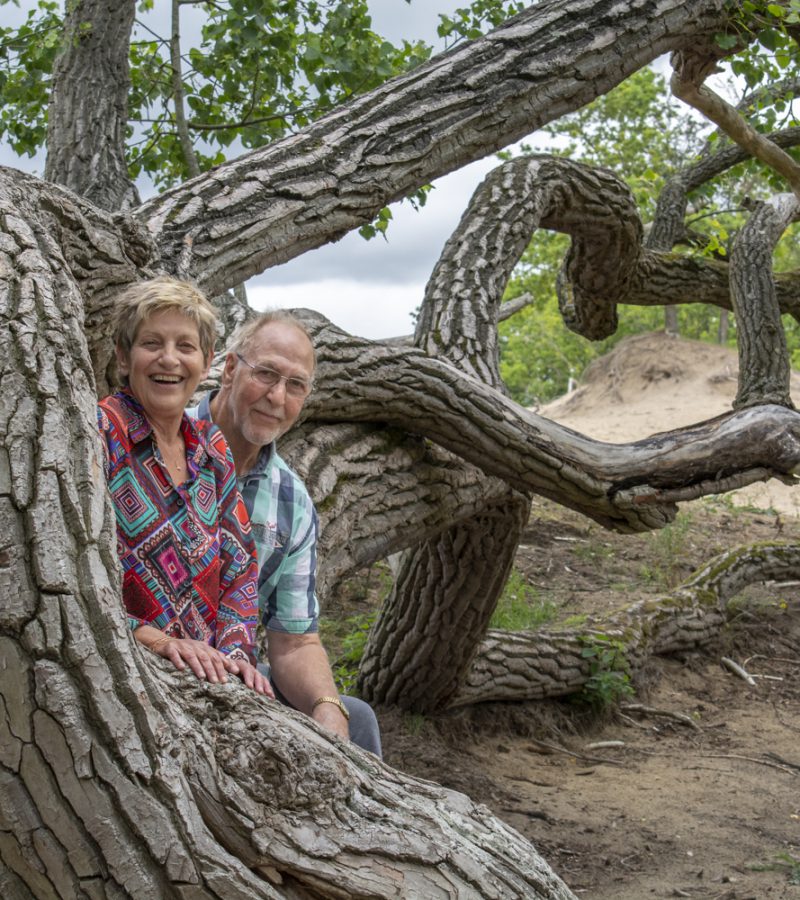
x,y
653,382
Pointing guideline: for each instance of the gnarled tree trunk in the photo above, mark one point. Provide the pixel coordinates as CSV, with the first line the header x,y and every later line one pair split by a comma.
x,y
123,779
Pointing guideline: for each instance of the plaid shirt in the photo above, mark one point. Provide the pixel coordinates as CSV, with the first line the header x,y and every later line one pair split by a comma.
x,y
285,527
186,550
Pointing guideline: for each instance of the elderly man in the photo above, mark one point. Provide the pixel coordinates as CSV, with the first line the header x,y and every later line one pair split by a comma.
x,y
267,376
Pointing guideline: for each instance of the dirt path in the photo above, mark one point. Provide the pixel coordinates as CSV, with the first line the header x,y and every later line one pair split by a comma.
x,y
674,811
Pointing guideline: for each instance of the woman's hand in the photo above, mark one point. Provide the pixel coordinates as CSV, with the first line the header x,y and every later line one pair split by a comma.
x,y
250,676
206,663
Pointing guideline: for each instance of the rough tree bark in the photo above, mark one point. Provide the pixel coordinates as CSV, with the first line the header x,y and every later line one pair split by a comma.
x,y
764,369
121,779
88,111
446,588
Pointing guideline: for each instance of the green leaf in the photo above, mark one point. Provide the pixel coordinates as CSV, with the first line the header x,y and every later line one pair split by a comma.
x,y
726,41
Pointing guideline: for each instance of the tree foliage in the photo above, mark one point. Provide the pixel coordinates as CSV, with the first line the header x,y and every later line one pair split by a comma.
x,y
646,138
251,71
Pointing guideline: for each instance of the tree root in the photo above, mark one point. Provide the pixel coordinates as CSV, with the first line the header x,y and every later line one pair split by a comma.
x,y
535,665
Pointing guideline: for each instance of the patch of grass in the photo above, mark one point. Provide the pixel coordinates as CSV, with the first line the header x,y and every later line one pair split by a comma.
x,y
575,621
727,502
783,862
415,724
354,640
610,678
667,549
520,608
594,551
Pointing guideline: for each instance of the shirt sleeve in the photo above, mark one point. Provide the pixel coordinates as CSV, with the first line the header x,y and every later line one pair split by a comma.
x,y
237,615
288,593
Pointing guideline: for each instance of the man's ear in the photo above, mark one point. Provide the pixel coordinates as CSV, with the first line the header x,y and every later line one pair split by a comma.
x,y
228,369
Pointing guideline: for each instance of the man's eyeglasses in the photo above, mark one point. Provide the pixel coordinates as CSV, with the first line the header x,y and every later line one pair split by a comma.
x,y
295,387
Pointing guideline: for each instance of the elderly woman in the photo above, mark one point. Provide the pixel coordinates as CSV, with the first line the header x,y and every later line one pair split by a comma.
x,y
183,536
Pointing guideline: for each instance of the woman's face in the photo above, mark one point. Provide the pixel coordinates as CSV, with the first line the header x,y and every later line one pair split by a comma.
x,y
165,364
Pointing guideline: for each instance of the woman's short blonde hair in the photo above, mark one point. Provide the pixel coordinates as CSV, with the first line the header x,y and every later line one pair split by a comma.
x,y
146,298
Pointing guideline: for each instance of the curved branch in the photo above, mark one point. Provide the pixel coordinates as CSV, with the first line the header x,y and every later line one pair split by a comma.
x,y
535,665
447,586
670,278
730,120
311,188
764,370
627,486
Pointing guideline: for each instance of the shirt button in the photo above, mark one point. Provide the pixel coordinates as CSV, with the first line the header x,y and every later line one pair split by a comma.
x,y
179,501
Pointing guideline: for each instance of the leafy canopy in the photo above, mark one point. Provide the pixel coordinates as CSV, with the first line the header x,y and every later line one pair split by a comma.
x,y
253,71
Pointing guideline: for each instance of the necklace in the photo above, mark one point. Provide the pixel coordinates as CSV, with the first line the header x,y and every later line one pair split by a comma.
x,y
174,459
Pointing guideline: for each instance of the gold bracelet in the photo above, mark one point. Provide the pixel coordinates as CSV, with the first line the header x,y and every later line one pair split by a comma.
x,y
158,643
335,701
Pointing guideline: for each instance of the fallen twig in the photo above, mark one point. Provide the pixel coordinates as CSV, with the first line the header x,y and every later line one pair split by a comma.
x,y
781,760
762,762
785,659
595,759
631,721
738,670
662,713
600,745
531,814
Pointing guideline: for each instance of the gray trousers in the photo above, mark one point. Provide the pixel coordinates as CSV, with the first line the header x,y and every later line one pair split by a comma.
x,y
364,729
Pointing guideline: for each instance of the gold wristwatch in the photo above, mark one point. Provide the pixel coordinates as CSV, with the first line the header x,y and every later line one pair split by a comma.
x,y
335,701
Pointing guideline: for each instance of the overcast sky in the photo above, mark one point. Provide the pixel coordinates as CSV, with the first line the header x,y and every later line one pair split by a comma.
x,y
369,288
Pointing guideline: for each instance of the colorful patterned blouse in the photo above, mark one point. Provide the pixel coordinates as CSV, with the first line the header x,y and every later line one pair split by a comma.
x,y
187,555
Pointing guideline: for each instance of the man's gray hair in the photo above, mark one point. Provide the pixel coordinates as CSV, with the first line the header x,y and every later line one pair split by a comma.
x,y
241,338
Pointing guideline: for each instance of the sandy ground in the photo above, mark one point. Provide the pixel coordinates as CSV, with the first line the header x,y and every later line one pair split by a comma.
x,y
653,383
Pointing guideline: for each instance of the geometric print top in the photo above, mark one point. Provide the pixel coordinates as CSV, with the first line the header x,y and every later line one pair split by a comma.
x,y
285,528
187,553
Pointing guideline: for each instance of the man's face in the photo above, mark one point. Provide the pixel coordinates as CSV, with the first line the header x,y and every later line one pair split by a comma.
x,y
257,413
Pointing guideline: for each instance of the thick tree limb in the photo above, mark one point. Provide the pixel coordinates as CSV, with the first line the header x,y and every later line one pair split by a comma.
x,y
627,487
672,278
534,665
764,370
311,188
